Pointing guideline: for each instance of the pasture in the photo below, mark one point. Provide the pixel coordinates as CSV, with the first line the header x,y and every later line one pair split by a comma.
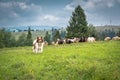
x,y
78,61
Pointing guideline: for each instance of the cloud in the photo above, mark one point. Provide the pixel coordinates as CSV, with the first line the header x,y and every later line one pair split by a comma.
x,y
5,4
91,4
50,18
19,5
110,3
31,7
72,5
12,13
95,18
118,1
22,5
99,3
69,7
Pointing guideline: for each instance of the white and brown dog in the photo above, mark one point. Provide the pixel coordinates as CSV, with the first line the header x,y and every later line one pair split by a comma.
x,y
38,45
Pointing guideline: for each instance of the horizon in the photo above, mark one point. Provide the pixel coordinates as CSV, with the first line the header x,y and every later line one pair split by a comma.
x,y
47,28
42,27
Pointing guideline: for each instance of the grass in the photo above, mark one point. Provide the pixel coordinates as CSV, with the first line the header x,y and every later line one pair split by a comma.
x,y
79,61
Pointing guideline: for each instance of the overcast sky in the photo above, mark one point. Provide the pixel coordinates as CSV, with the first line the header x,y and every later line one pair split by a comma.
x,y
57,12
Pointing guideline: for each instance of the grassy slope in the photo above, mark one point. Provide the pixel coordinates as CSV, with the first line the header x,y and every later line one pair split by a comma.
x,y
103,28
34,34
83,61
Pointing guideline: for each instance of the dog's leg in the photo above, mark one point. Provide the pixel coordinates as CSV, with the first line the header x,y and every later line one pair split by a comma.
x,y
41,47
39,50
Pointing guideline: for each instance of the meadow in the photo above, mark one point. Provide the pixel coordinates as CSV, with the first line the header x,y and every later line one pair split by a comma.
x,y
78,61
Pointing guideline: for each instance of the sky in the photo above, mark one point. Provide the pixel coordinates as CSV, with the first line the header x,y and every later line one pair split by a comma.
x,y
57,12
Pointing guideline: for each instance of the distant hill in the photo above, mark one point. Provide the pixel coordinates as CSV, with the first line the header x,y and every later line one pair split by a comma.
x,y
33,28
42,28
107,27
34,34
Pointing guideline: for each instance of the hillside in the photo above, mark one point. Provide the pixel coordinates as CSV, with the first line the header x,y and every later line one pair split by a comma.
x,y
80,61
108,27
34,34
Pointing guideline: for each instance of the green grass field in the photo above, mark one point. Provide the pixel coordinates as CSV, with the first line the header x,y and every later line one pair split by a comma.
x,y
79,61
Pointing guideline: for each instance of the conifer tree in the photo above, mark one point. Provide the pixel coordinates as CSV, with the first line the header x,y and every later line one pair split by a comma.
x,y
2,32
92,31
21,40
47,37
55,34
77,25
29,38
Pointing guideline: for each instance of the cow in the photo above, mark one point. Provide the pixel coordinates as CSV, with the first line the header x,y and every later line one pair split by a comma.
x,y
59,41
82,39
107,39
68,41
38,45
90,39
117,38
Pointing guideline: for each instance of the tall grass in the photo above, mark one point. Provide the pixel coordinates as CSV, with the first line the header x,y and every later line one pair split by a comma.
x,y
79,61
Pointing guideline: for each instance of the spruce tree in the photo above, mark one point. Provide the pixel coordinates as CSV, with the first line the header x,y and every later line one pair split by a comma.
x,y
77,25
55,34
29,38
2,35
47,38
92,31
6,39
21,40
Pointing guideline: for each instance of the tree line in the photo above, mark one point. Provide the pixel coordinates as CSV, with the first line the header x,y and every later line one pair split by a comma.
x,y
8,40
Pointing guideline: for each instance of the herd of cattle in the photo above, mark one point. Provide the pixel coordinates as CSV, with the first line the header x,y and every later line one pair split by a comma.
x,y
74,40
83,39
39,43
117,38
